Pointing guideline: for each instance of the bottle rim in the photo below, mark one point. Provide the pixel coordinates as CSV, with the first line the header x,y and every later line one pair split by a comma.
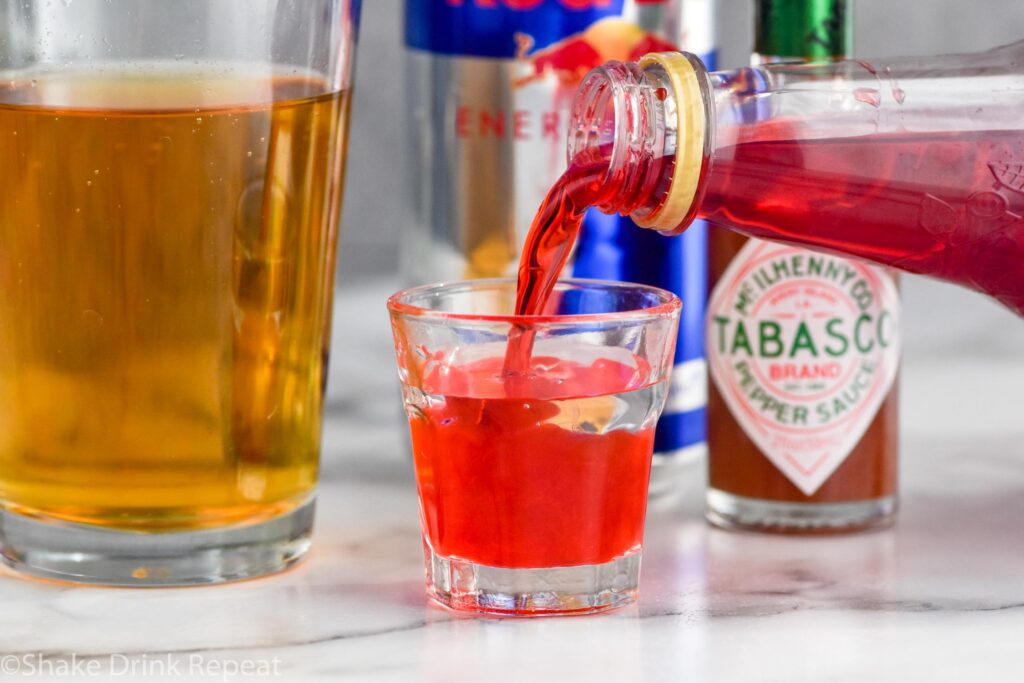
x,y
415,303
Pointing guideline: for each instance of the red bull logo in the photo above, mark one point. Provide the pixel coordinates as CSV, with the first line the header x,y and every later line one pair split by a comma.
x,y
573,57
546,42
568,61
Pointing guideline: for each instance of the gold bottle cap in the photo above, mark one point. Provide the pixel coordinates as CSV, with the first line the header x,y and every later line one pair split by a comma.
x,y
692,127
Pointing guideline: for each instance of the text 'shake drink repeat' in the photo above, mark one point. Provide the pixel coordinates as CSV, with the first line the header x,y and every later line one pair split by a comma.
x,y
491,83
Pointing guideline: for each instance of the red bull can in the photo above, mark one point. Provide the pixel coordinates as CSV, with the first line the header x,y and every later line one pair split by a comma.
x,y
490,83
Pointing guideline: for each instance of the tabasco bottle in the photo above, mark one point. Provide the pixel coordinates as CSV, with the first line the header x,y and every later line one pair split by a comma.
x,y
803,351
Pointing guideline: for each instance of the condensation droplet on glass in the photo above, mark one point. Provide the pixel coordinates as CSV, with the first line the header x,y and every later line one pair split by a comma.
x,y
900,95
867,96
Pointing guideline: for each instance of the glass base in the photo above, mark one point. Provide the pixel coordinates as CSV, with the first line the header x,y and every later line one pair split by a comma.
x,y
91,555
467,586
671,469
729,511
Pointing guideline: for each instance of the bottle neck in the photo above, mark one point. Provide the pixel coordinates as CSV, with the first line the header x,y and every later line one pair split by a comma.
x,y
646,128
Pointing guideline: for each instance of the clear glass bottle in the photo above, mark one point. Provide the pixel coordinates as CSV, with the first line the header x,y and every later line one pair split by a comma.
x,y
914,163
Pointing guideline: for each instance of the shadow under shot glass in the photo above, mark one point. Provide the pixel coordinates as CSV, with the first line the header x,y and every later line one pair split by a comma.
x,y
532,438
172,176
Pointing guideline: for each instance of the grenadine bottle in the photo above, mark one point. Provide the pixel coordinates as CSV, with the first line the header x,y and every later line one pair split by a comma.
x,y
914,163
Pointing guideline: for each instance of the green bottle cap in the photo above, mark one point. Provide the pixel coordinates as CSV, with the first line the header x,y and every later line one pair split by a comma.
x,y
813,30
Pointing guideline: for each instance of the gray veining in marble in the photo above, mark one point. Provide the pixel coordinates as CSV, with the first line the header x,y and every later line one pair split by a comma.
x,y
939,598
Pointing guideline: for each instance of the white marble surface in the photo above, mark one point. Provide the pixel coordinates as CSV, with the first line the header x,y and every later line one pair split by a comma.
x,y
939,598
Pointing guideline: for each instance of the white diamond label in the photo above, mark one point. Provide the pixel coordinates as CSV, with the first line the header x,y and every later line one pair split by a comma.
x,y
804,349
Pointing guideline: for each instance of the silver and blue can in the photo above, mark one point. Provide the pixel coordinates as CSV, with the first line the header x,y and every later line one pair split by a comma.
x,y
490,84
612,248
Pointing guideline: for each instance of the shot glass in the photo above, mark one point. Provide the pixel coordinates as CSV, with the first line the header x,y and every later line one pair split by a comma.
x,y
532,439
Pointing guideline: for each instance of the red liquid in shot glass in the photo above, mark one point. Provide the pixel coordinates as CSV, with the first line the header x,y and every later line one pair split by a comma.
x,y
529,474
531,461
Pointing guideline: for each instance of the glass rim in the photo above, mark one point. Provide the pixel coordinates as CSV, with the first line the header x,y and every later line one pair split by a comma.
x,y
668,303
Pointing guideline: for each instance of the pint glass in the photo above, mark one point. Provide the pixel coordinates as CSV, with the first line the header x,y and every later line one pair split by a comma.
x,y
170,188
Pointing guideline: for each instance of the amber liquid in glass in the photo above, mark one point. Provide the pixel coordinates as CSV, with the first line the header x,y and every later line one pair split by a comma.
x,y
166,261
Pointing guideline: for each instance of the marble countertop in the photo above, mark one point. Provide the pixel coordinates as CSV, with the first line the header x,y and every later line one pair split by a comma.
x,y
938,598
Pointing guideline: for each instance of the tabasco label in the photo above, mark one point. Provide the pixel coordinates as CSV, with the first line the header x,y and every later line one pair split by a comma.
x,y
803,348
